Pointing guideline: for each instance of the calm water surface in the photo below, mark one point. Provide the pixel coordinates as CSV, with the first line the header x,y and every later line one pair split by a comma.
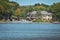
x,y
33,30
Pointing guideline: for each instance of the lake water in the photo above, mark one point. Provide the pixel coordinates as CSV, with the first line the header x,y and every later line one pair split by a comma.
x,y
30,31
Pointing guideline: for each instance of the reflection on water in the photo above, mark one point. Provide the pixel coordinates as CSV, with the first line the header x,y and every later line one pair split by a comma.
x,y
33,30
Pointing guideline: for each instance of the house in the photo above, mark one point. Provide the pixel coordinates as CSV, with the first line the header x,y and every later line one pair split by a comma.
x,y
46,15
31,15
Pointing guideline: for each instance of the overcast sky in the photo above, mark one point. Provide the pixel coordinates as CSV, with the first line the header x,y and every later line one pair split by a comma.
x,y
32,2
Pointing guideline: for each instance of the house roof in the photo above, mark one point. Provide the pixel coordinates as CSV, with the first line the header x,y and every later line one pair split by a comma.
x,y
45,13
33,12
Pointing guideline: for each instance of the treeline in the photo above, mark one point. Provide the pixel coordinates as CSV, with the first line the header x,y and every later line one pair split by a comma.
x,y
9,10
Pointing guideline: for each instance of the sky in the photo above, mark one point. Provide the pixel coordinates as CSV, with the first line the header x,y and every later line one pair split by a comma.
x,y
32,2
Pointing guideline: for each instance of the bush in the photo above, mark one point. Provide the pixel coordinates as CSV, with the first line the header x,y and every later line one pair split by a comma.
x,y
37,20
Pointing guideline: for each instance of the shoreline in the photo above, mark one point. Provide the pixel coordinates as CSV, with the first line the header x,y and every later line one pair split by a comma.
x,y
14,22
26,22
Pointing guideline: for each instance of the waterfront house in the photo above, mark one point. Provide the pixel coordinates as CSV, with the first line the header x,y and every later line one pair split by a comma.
x,y
46,15
31,15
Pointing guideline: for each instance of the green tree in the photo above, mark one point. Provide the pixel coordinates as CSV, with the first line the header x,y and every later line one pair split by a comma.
x,y
55,9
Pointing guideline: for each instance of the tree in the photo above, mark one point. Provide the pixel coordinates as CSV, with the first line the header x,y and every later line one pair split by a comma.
x,y
38,4
5,8
55,9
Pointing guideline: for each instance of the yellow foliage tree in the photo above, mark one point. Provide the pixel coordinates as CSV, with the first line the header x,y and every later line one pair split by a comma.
x,y
17,12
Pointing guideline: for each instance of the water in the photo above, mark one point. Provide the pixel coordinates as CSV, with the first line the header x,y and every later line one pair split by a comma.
x,y
31,31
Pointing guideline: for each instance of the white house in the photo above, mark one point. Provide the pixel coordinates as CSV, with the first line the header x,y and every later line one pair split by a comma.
x,y
46,15
31,15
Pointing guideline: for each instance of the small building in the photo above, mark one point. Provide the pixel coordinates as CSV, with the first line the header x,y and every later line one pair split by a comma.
x,y
46,15
31,15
